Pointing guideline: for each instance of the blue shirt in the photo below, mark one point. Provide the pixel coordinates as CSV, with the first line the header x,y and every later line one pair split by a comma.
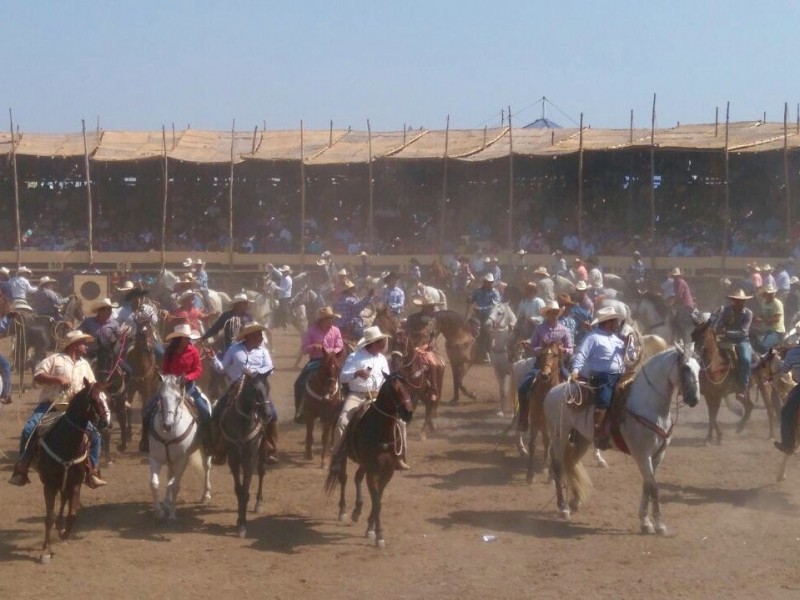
x,y
484,299
284,285
238,358
600,352
201,277
395,299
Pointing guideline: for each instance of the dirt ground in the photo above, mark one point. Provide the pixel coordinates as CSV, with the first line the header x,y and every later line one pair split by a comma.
x,y
734,532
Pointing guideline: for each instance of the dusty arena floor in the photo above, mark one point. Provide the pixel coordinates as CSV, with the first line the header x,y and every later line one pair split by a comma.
x,y
734,532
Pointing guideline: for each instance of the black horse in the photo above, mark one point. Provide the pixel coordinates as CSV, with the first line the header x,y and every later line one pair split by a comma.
x,y
109,371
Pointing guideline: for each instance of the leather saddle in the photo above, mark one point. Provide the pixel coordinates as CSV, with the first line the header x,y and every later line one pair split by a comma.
x,y
350,433
619,399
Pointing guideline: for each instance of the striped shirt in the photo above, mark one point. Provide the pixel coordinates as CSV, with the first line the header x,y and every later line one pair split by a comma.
x,y
545,333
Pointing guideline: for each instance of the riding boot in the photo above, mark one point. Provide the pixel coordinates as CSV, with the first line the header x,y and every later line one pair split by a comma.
x,y
20,475
271,438
93,479
219,449
601,441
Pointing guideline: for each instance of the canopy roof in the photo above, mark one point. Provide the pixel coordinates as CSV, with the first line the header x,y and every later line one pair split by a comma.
x,y
331,147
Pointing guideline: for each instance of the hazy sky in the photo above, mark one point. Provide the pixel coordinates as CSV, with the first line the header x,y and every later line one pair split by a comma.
x,y
141,64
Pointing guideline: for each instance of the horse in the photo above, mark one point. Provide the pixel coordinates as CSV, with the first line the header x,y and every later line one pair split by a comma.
x,y
32,339
431,293
62,454
440,275
771,378
373,441
323,400
500,324
114,378
645,429
459,342
548,363
652,316
244,431
423,371
174,437
144,379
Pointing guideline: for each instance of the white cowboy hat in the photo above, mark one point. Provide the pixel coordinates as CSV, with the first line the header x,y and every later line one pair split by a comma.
x,y
5,271
495,259
487,260
325,254
371,334
550,306
607,313
182,330
188,262
126,286
362,253
320,263
521,251
186,294
250,328
581,286
767,267
769,289
425,301
199,262
21,304
104,303
45,280
793,280
488,278
24,269
242,297
675,272
541,271
75,336
739,295
342,272
286,269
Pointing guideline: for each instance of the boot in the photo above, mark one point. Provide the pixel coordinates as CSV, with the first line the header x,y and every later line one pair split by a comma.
x,y
298,400
601,441
20,476
271,439
144,442
219,450
93,479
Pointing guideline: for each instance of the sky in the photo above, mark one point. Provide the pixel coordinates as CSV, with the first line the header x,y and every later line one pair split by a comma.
x,y
138,65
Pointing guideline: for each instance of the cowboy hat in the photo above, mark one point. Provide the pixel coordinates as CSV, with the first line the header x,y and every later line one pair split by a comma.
x,y
675,272
104,303
286,269
5,271
188,262
754,267
564,300
320,263
24,269
581,286
325,254
606,313
45,280
637,253
348,285
127,286
577,259
769,289
521,251
793,280
767,268
75,336
556,253
425,301
20,304
550,306
186,294
371,334
249,329
495,259
199,262
326,312
739,295
182,330
541,271
362,253
487,260
242,297
489,278
342,272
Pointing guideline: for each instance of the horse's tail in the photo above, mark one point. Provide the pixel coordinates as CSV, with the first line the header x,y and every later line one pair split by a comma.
x,y
578,481
334,474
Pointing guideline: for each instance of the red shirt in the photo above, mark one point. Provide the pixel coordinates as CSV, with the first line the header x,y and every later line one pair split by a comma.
x,y
192,316
186,364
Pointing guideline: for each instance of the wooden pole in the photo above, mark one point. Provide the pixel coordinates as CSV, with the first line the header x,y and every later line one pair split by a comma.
x,y
302,197
330,135
230,207
630,137
88,192
797,127
716,121
404,134
173,135
580,187
16,189
786,173
255,134
726,224
164,200
653,186
371,216
443,203
510,183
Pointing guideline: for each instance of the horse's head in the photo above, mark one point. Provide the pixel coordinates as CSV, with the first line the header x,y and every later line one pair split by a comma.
x,y
92,402
688,374
170,397
497,318
393,397
329,371
548,360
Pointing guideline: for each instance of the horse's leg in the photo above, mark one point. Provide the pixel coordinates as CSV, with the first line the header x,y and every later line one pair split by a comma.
x,y
661,529
534,432
782,468
467,392
49,506
557,469
74,498
748,408
235,463
376,483
310,418
455,367
62,499
357,480
327,435
646,466
713,401
105,438
342,483
248,465
177,469
206,497
775,401
262,470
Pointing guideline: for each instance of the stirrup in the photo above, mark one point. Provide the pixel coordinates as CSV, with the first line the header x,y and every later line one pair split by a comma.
x,y
401,465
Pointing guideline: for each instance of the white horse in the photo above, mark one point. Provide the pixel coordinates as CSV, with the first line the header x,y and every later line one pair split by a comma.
x,y
174,437
646,426
431,293
500,324
652,318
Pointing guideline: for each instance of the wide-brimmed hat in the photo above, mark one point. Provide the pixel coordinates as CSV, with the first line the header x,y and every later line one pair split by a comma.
x,y
182,330
425,301
286,269
767,268
75,336
21,304
489,278
5,271
24,269
240,298
607,313
186,294
325,254
348,285
794,280
372,334
188,262
581,286
675,272
362,253
495,259
739,295
199,262
541,271
564,300
126,286
45,280
769,289
487,260
250,328
326,312
103,303
577,259
342,272
521,251
637,253
550,306
320,263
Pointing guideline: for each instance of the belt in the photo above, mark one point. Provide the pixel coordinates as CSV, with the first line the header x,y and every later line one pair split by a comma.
x,y
368,395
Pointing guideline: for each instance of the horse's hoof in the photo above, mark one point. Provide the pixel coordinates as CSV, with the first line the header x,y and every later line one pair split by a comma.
x,y
259,507
574,505
242,532
380,544
308,456
371,534
565,514
206,499
342,517
661,529
45,558
62,533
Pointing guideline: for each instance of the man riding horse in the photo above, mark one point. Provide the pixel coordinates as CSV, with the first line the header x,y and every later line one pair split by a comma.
x,y
349,307
481,302
322,337
734,324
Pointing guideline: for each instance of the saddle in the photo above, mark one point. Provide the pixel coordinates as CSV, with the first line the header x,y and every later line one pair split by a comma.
x,y
349,434
619,402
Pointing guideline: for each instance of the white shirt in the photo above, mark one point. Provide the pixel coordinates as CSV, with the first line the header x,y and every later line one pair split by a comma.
x,y
61,365
20,287
238,358
596,278
375,364
529,309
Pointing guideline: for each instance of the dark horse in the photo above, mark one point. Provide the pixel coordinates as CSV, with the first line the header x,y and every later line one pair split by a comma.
x,y
144,378
373,441
459,342
423,371
242,425
114,379
323,400
33,339
62,454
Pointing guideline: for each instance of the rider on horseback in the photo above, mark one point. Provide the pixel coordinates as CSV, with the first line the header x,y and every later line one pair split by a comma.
x,y
791,364
19,285
768,320
106,331
283,313
600,359
393,296
734,323
321,337
231,321
61,376
136,310
483,299
45,301
349,307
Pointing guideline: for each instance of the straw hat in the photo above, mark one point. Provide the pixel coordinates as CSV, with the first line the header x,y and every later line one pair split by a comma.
x,y
250,328
126,286
521,251
342,272
23,269
739,295
286,269
487,260
348,285
767,268
675,272
371,334
581,286
199,262
320,263
769,289
541,271
326,254
425,301
45,280
326,312
104,303
362,253
186,294
188,263
577,259
20,304
607,313
636,253
489,278
793,280
550,306
242,297
564,300
5,271
182,330
75,336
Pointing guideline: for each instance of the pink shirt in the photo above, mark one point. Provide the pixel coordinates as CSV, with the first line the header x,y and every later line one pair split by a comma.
x,y
580,273
330,340
683,297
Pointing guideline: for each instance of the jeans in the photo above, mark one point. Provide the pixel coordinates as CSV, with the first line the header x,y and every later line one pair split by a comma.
x,y
605,384
789,418
300,383
770,340
5,371
30,427
744,356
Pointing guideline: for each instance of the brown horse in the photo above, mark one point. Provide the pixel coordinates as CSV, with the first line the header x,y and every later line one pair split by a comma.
x,y
548,364
62,456
144,380
423,370
388,323
373,441
459,337
322,399
115,381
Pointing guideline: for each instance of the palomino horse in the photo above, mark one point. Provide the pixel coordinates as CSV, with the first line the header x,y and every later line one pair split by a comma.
x,y
144,379
423,372
645,427
500,324
373,441
459,343
174,437
62,455
323,400
242,426
548,363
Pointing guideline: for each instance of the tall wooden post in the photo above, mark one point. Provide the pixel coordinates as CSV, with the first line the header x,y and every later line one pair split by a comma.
x,y
16,189
371,215
88,192
726,216
580,185
164,202
630,136
302,197
653,186
510,183
786,173
716,121
230,207
443,202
